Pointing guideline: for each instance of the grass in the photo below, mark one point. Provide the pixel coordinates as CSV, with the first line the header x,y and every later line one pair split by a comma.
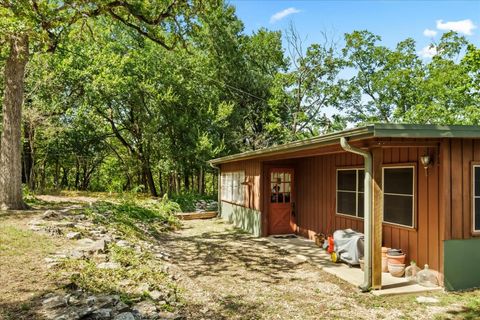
x,y
23,276
135,219
135,269
188,200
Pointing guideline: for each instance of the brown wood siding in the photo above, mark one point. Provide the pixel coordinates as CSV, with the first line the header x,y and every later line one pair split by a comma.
x,y
252,170
316,202
458,157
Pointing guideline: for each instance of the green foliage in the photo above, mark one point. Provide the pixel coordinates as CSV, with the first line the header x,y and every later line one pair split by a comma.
x,y
134,269
135,218
187,200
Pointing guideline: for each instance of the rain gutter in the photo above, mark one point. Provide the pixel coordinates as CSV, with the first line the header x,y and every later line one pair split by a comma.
x,y
367,282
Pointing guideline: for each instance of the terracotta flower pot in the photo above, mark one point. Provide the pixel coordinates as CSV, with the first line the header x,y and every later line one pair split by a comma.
x,y
384,251
384,264
400,259
396,269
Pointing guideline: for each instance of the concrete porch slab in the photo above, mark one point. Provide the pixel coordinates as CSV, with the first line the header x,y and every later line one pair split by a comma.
x,y
354,275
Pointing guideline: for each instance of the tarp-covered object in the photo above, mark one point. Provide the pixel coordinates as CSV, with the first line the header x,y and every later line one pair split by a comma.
x,y
348,245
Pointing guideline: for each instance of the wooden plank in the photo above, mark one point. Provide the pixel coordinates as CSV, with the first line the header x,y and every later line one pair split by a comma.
x,y
476,152
467,190
445,186
433,223
422,213
457,189
196,215
377,218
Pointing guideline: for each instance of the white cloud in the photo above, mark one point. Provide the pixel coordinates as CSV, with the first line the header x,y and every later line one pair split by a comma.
x,y
282,14
428,52
429,33
462,26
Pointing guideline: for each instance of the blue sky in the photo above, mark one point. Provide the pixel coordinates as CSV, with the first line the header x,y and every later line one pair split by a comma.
x,y
394,21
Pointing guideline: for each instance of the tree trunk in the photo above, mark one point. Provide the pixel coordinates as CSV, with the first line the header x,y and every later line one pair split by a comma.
x,y
10,147
201,179
149,177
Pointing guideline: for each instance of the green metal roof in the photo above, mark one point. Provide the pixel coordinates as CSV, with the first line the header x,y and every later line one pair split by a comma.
x,y
379,130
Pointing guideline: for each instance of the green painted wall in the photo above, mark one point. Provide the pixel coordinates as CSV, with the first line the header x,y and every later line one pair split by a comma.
x,y
243,218
462,261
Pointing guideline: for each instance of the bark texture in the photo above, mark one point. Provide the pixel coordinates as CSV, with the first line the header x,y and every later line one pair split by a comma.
x,y
10,147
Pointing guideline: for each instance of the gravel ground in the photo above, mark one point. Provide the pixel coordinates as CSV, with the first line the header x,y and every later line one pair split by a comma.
x,y
227,274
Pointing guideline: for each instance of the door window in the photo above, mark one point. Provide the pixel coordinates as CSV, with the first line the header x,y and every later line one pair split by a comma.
x,y
280,187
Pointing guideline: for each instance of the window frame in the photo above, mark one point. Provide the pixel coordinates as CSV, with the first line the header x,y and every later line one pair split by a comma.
x,y
475,164
228,192
412,166
357,169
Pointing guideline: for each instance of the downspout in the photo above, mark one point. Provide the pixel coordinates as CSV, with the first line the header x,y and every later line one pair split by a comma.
x,y
219,189
367,282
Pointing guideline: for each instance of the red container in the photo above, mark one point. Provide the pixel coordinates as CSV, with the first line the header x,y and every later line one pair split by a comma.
x,y
331,244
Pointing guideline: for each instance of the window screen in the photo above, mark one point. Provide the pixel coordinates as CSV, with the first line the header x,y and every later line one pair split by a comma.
x,y
350,190
476,197
398,195
232,187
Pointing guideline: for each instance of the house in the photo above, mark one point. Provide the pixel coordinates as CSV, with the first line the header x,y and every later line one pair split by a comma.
x,y
413,187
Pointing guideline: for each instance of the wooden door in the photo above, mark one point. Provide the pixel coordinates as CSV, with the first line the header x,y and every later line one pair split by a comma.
x,y
281,208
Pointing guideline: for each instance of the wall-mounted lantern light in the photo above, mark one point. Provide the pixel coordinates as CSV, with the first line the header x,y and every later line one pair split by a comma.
x,y
426,161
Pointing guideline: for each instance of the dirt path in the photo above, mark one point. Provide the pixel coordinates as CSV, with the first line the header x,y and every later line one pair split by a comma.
x,y
232,275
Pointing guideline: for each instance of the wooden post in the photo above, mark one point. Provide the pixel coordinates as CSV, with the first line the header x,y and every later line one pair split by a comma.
x,y
377,218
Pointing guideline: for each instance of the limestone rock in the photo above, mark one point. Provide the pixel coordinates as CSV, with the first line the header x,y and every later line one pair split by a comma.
x,y
156,295
124,316
146,309
422,299
74,235
89,245
108,265
51,215
103,313
54,302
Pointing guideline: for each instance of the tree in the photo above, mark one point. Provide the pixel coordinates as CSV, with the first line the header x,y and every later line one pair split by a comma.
x,y
43,24
312,84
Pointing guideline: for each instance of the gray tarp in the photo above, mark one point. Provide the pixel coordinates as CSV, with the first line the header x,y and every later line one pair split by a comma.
x,y
348,245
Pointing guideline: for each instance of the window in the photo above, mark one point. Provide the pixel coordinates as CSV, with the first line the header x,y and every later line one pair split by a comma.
x,y
398,196
476,198
280,187
232,188
350,192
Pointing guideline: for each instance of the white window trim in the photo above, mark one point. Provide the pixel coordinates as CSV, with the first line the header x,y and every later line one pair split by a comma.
x,y
232,187
474,167
356,169
396,194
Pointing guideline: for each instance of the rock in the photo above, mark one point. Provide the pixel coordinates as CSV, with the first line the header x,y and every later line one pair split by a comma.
x,y
121,307
74,235
89,245
124,316
107,301
53,231
422,299
297,259
103,313
156,295
51,214
76,254
85,311
63,224
169,316
108,265
123,244
142,288
54,302
146,309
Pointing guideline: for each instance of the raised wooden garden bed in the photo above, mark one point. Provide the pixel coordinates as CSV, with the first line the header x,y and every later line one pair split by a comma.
x,y
197,215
